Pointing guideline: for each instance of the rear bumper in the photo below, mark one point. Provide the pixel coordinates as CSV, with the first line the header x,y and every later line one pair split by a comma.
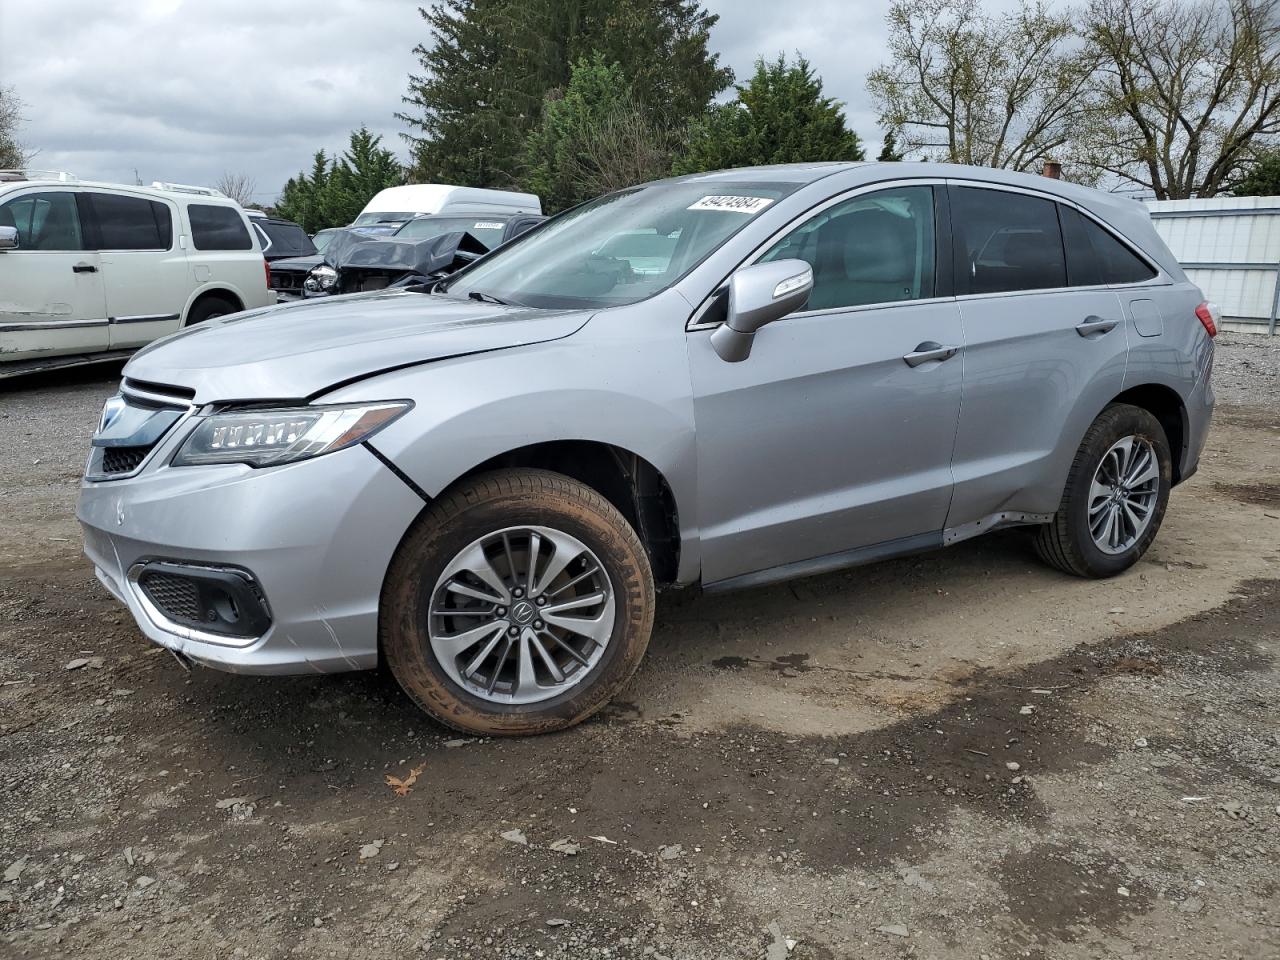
x,y
316,535
1199,406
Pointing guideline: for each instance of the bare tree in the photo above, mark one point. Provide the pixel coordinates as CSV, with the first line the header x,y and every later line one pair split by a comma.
x,y
12,153
1191,91
965,86
622,148
240,187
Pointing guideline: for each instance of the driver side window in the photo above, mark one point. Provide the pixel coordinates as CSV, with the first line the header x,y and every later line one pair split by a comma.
x,y
873,248
45,221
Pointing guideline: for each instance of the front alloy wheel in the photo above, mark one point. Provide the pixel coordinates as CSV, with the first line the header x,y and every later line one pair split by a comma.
x,y
520,602
521,615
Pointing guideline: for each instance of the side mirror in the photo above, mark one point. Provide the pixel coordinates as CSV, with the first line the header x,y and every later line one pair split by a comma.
x,y
8,238
760,294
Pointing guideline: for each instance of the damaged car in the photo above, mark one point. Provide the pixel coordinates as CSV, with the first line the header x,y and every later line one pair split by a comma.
x,y
727,379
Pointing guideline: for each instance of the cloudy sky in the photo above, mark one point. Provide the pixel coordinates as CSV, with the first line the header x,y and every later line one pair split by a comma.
x,y
184,90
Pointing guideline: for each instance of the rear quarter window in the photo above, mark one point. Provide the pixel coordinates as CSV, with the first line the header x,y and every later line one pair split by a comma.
x,y
218,228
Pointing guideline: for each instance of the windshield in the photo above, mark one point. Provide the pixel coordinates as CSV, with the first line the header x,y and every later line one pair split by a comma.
x,y
618,249
288,238
382,217
488,232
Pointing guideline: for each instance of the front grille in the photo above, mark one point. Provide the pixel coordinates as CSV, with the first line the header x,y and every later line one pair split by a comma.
x,y
176,597
123,459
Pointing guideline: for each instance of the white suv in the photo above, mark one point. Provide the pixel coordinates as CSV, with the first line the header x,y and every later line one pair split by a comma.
x,y
90,270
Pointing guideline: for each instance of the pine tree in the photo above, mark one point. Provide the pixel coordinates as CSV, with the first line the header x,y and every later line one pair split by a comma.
x,y
491,65
1262,178
780,116
889,149
336,190
300,199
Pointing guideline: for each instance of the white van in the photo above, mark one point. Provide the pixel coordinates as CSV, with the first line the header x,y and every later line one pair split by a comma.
x,y
398,204
94,270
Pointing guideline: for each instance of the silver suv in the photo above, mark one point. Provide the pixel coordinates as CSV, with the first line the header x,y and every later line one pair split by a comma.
x,y
727,379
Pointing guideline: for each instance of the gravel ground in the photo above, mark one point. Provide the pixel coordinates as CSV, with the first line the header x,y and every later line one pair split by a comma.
x,y
960,755
1247,369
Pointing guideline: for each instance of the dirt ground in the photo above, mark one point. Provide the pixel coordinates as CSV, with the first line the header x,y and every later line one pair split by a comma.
x,y
960,755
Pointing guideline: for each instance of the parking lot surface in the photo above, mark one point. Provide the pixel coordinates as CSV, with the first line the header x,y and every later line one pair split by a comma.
x,y
962,755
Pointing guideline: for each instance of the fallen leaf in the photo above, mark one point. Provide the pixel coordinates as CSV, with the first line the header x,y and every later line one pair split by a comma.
x,y
403,787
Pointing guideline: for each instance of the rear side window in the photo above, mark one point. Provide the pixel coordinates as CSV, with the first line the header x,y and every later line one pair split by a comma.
x,y
45,221
1005,242
131,223
218,228
1095,256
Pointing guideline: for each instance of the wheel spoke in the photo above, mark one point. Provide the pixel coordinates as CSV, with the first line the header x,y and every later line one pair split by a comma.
x,y
454,644
466,591
566,551
487,649
1098,496
597,629
476,561
531,575
497,667
590,571
577,603
511,563
569,650
526,679
1147,471
548,661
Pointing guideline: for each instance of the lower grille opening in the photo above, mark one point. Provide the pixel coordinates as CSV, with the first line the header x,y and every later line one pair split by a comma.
x,y
223,601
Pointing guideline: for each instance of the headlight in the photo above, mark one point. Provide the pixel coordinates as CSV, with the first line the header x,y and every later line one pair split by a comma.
x,y
266,438
321,278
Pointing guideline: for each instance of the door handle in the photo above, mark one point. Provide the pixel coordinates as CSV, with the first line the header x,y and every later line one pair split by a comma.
x,y
929,350
1094,325
84,268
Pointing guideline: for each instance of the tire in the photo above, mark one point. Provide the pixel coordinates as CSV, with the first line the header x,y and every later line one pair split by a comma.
x,y
501,505
208,308
1067,542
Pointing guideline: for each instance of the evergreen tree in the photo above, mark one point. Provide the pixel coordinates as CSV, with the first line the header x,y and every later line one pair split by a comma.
x,y
491,65
780,116
1262,179
889,149
300,199
593,139
337,189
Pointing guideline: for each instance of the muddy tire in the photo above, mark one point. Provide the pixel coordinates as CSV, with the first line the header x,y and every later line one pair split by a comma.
x,y
1115,497
519,603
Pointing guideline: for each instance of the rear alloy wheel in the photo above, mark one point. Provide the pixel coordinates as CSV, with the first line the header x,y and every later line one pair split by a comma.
x,y
210,308
1115,496
519,603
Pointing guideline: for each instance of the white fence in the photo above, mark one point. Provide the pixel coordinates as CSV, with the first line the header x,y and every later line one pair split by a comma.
x,y
1230,248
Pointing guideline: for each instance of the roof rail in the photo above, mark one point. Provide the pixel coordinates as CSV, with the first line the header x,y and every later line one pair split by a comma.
x,y
37,175
186,188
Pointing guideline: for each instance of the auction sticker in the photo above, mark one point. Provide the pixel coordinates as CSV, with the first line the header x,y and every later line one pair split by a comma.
x,y
487,225
747,205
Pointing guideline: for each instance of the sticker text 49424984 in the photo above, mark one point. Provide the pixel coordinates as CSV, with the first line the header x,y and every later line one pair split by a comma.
x,y
747,205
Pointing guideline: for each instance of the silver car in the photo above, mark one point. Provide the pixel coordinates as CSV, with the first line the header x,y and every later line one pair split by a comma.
x,y
725,379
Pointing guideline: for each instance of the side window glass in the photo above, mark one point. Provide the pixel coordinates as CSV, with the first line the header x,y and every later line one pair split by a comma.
x,y
131,223
45,221
1005,241
873,248
1082,263
218,228
1117,262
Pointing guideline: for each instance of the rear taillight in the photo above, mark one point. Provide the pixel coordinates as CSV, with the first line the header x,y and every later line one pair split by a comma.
x,y
1209,316
266,266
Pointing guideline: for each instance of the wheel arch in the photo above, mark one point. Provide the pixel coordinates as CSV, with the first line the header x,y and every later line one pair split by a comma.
x,y
627,480
1163,403
220,292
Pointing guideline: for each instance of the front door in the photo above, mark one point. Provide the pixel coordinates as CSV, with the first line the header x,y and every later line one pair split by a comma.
x,y
837,432
51,299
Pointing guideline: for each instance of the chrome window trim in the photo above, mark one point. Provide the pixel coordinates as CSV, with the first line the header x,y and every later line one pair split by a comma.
x,y
695,323
1161,279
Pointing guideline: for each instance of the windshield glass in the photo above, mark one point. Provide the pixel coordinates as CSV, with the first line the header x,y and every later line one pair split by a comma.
x,y
382,217
323,239
488,232
288,238
618,249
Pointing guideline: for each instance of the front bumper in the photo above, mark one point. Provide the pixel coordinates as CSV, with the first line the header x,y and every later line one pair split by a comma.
x,y
316,535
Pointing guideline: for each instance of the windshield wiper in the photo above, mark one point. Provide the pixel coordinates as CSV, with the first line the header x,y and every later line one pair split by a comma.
x,y
487,298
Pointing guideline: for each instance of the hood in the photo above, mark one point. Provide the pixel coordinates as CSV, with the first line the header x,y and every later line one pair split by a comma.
x,y
297,350
433,255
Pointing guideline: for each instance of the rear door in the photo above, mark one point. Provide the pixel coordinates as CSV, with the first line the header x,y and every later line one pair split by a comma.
x,y
144,270
51,299
836,433
1045,349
